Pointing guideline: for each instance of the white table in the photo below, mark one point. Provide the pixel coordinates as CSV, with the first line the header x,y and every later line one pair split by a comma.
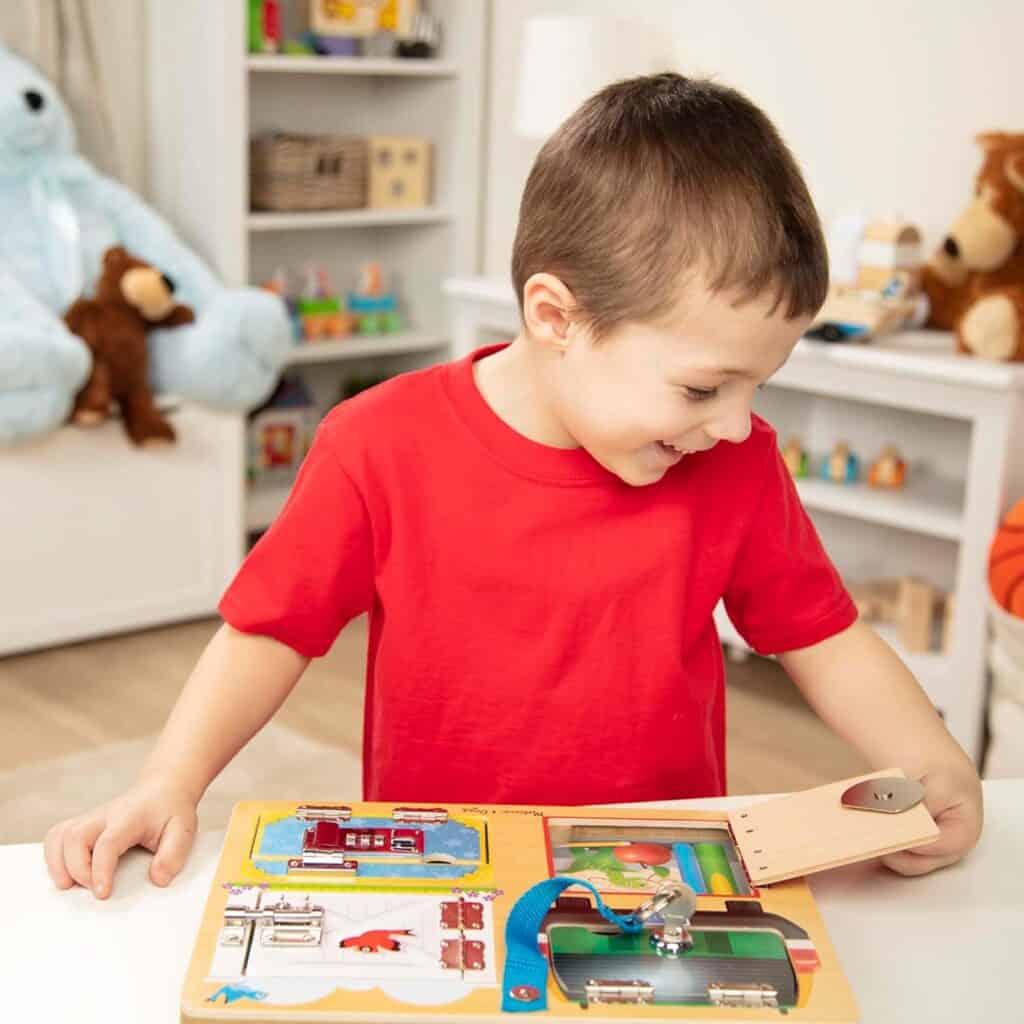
x,y
945,947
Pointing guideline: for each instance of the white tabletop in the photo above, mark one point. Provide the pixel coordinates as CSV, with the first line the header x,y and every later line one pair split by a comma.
x,y
945,947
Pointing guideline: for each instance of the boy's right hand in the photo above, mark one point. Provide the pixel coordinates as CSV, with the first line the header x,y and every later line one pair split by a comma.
x,y
155,814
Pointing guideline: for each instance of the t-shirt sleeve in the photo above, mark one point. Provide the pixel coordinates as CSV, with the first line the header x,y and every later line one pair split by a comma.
x,y
313,570
784,592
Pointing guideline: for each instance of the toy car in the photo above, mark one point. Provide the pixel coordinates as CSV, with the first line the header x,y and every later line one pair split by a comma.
x,y
835,330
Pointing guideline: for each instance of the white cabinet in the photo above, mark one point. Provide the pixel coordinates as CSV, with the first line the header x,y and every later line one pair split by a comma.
x,y
98,536
208,97
960,423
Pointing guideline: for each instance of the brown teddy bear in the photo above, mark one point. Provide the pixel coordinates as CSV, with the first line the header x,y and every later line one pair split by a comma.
x,y
131,297
975,280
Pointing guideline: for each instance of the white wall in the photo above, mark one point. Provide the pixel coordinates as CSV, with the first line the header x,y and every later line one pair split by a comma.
x,y
879,99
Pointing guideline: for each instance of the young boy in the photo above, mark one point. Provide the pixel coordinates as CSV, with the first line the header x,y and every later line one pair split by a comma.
x,y
540,532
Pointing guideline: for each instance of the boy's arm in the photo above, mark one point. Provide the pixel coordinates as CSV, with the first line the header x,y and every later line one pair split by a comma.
x,y
238,683
859,686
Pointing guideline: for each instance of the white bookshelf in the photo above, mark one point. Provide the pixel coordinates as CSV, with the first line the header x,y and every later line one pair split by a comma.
x,y
959,422
346,219
208,97
341,349
359,67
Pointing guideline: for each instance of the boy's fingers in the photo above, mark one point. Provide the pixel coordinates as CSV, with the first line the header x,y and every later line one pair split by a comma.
x,y
911,864
53,852
171,853
108,849
79,838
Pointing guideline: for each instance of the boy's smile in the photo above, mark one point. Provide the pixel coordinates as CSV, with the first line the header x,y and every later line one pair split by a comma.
x,y
646,396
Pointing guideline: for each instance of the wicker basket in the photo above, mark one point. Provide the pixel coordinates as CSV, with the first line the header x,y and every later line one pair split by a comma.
x,y
307,172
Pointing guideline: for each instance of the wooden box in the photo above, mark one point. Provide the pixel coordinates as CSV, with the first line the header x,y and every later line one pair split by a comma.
x,y
400,171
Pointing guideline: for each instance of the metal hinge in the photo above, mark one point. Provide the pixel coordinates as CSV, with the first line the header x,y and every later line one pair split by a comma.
x,y
463,914
604,990
462,955
749,996
278,924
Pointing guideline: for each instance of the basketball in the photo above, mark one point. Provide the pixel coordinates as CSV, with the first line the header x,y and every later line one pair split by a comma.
x,y
1006,562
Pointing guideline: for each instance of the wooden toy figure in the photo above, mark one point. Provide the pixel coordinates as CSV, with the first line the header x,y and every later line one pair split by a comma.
x,y
841,465
795,457
322,314
375,309
889,469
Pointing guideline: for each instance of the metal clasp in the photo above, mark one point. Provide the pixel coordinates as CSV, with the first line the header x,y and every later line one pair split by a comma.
x,y
675,903
279,924
747,996
890,795
606,990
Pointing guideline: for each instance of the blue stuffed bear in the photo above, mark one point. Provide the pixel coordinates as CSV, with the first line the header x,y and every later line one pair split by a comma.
x,y
58,215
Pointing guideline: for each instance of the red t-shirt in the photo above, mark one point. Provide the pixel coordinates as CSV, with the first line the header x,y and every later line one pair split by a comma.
x,y
540,631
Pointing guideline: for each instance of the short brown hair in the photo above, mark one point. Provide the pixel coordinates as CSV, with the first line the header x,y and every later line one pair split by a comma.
x,y
656,178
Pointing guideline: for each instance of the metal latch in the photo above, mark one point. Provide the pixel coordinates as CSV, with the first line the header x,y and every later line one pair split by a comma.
x,y
675,903
605,990
889,795
323,812
747,996
278,924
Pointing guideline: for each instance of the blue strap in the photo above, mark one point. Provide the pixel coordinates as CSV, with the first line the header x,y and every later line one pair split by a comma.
x,y
526,968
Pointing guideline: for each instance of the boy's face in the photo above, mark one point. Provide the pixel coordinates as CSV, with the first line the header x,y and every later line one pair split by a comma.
x,y
645,397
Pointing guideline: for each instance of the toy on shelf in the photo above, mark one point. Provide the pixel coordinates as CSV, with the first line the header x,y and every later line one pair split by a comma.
x,y
1006,562
321,311
886,295
424,38
841,465
405,913
889,469
280,432
369,28
912,605
795,457
375,310
264,26
975,279
399,171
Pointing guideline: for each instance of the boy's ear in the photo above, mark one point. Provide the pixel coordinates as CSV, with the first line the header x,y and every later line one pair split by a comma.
x,y
547,308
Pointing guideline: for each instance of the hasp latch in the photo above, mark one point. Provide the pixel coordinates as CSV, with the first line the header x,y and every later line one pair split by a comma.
x,y
277,924
607,990
746,996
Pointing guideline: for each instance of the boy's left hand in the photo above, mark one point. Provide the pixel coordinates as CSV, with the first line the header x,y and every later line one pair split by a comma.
x,y
953,798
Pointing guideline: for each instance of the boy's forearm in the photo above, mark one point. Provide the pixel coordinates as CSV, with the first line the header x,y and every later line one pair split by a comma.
x,y
235,688
859,686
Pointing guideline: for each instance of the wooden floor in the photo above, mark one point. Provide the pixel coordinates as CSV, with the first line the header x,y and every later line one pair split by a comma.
x,y
69,699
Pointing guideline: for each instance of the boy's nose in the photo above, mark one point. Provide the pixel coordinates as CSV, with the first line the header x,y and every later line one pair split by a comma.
x,y
734,428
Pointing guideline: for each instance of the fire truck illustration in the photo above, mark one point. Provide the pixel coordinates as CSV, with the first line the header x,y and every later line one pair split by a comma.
x,y
377,940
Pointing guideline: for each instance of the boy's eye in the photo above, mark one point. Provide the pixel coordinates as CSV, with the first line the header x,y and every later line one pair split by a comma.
x,y
700,394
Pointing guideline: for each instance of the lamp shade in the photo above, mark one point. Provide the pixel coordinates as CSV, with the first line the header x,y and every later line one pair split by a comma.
x,y
567,58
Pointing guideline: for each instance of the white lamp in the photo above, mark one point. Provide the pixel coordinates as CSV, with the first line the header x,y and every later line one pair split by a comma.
x,y
567,58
